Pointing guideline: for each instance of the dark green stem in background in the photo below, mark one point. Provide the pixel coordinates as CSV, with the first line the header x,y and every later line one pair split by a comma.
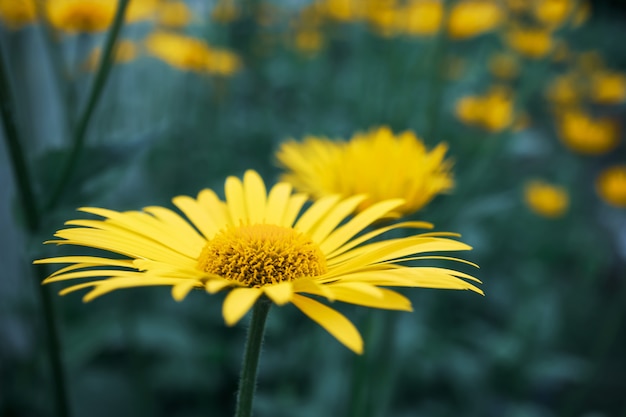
x,y
33,221
78,139
247,381
11,136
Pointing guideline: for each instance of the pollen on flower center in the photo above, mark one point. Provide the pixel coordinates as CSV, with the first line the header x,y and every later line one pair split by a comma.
x,y
262,254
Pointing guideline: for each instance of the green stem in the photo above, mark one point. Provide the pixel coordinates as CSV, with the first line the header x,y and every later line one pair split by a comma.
x,y
247,381
11,136
33,221
97,86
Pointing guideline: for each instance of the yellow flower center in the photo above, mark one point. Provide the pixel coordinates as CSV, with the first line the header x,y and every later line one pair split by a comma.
x,y
262,254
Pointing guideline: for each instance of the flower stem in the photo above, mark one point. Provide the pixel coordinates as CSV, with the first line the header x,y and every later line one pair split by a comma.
x,y
11,136
33,221
78,140
247,381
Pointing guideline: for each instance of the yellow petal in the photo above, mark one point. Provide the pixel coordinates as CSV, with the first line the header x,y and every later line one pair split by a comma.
x,y
293,209
255,195
335,217
277,203
238,302
334,322
197,215
354,293
316,212
358,223
180,291
235,201
216,285
280,293
214,207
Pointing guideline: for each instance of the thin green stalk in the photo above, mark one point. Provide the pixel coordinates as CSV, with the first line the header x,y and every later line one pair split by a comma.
x,y
33,221
247,381
78,140
11,136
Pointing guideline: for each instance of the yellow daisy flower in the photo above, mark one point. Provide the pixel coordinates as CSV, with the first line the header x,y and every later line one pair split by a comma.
x,y
611,185
255,244
377,163
546,199
17,13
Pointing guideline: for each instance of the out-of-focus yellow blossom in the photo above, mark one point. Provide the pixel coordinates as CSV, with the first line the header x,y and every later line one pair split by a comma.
x,y
225,11
493,111
308,41
384,16
125,51
470,18
504,65
545,199
565,90
582,13
533,43
611,186
583,134
15,14
376,163
90,16
422,17
552,13
174,14
343,10
608,87
81,15
191,54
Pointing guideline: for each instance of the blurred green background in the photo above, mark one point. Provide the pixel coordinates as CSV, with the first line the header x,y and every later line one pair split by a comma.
x,y
548,338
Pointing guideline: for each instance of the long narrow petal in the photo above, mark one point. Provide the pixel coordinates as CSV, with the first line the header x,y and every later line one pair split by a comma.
x,y
215,207
358,223
334,322
279,293
277,202
357,294
255,195
197,214
335,216
294,206
316,212
238,302
235,201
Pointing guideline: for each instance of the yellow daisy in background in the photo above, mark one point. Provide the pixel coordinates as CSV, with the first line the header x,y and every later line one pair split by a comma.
x,y
17,13
611,185
585,134
377,163
546,200
256,244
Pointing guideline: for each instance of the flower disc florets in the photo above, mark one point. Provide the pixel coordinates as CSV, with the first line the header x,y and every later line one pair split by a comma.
x,y
262,254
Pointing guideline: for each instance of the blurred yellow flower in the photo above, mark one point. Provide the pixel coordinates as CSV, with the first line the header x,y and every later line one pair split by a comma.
x,y
533,43
125,52
587,135
611,185
545,199
15,14
258,244
493,111
517,6
384,16
375,163
225,11
565,90
343,10
470,18
504,65
93,15
422,17
81,15
608,87
174,14
308,40
191,54
552,12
